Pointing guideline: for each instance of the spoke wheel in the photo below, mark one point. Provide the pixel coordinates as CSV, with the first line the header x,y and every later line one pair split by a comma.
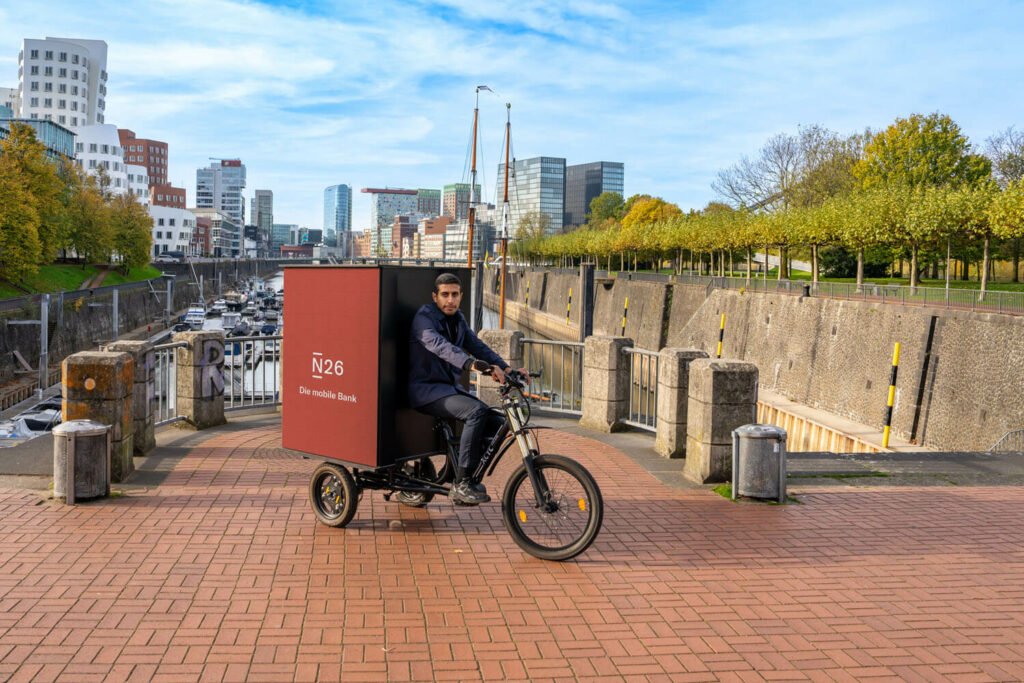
x,y
569,520
421,469
333,495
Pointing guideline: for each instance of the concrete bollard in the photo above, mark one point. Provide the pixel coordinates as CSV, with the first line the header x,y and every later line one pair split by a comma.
x,y
200,390
96,385
509,345
673,398
143,393
722,397
605,383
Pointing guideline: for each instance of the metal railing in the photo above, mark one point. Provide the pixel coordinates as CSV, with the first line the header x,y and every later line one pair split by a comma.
x,y
1012,442
643,388
165,382
560,363
252,371
933,297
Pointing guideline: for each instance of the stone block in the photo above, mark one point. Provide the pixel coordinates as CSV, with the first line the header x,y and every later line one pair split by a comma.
x,y
707,463
713,423
121,463
199,349
723,381
200,413
670,438
506,343
604,416
142,354
115,413
674,367
606,384
97,375
195,381
144,435
605,353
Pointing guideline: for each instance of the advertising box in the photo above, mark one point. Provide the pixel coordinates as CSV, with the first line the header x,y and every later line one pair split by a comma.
x,y
346,361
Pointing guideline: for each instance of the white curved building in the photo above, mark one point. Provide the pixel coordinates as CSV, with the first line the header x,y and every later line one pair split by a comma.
x,y
98,147
63,80
138,182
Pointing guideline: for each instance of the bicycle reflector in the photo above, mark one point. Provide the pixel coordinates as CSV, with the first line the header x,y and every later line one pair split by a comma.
x,y
583,504
522,515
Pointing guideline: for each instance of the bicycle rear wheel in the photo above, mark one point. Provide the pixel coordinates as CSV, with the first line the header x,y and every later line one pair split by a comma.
x,y
333,495
570,519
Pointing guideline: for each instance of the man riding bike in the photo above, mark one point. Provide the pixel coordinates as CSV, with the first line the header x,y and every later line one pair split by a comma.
x,y
442,346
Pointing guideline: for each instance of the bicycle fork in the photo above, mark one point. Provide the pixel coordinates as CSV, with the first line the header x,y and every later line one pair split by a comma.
x,y
528,447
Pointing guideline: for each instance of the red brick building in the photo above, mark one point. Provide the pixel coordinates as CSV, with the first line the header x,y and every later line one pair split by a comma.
x,y
152,155
436,226
296,251
201,244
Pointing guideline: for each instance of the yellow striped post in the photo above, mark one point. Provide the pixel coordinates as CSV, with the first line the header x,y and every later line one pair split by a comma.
x,y
721,335
892,395
527,292
568,308
625,312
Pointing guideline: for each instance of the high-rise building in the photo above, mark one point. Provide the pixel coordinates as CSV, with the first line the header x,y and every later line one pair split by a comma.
x,y
428,202
149,153
280,235
262,214
338,208
58,140
63,80
583,182
455,203
535,185
385,205
220,187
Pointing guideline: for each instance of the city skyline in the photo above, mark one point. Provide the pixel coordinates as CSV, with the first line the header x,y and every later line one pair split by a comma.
x,y
310,92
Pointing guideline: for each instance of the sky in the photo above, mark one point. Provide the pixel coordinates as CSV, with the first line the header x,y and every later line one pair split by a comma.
x,y
372,94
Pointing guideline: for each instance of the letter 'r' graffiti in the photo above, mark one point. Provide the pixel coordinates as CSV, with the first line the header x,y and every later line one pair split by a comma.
x,y
212,379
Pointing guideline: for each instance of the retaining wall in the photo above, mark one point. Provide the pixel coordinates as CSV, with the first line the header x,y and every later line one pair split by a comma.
x,y
80,326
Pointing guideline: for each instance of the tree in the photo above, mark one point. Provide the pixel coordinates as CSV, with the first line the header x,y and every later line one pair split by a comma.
x,y
766,181
604,206
131,231
19,240
90,234
649,211
827,160
1006,215
42,185
1005,150
921,150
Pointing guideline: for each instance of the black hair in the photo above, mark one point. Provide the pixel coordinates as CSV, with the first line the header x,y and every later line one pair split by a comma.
x,y
446,279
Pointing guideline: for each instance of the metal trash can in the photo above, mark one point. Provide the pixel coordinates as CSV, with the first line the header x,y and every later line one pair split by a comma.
x,y
759,462
81,455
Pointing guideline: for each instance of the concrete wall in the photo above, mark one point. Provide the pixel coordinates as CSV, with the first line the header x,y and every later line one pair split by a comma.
x,y
837,356
646,314
81,326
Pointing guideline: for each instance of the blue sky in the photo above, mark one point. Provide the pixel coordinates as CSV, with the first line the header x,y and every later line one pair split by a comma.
x,y
310,94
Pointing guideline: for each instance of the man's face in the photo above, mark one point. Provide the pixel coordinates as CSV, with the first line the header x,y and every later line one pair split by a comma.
x,y
448,298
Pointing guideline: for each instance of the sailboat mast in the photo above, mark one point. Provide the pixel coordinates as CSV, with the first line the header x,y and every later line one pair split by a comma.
x,y
504,216
472,185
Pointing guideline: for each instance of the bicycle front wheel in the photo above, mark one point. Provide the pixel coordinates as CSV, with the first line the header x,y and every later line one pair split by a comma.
x,y
570,518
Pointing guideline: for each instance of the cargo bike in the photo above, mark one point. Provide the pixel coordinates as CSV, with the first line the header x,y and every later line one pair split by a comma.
x,y
551,505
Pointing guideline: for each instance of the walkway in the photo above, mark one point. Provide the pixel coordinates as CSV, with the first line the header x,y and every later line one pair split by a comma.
x,y
211,566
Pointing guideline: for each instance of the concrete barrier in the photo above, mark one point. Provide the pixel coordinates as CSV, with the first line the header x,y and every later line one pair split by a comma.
x,y
723,396
509,345
605,383
97,386
200,388
673,399
143,392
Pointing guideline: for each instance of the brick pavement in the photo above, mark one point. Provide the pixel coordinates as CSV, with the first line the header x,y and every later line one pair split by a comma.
x,y
221,573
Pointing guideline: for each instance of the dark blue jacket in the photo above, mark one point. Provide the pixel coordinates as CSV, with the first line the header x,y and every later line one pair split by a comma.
x,y
435,364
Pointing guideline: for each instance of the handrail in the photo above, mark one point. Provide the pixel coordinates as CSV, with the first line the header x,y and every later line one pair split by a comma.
x,y
1013,438
643,388
561,366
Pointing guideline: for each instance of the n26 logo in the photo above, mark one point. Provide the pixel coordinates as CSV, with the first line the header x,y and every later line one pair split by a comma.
x,y
326,366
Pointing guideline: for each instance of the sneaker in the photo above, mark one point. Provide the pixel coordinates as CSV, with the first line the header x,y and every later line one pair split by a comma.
x,y
463,493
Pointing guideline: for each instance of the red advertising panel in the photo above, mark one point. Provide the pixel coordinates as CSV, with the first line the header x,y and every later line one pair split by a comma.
x,y
330,356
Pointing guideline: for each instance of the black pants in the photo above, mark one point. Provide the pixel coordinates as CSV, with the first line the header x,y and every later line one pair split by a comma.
x,y
479,423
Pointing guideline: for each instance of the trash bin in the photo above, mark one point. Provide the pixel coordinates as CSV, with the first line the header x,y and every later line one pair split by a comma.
x,y
759,462
81,455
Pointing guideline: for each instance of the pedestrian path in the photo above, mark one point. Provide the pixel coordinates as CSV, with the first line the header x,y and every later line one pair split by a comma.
x,y
212,567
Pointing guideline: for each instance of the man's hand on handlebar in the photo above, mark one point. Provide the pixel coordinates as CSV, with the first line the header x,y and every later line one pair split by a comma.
x,y
494,371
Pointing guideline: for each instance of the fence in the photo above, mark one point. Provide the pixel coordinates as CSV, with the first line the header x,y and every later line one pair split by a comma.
x,y
1012,442
165,382
643,388
252,371
560,386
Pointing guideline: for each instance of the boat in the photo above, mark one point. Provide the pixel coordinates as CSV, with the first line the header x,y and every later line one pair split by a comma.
x,y
242,329
196,315
219,307
272,315
235,301
268,329
230,319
